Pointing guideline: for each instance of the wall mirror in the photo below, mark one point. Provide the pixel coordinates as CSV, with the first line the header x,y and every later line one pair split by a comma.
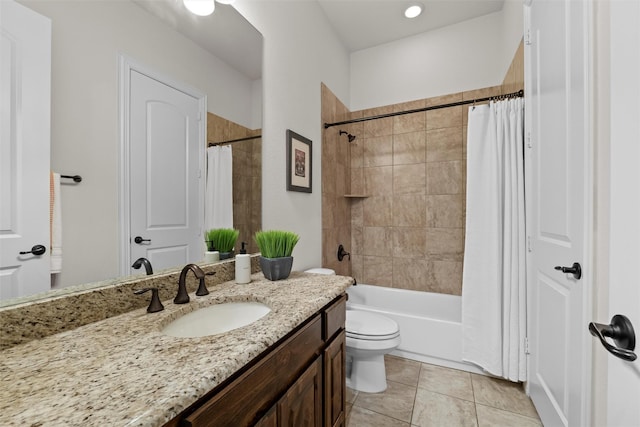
x,y
219,55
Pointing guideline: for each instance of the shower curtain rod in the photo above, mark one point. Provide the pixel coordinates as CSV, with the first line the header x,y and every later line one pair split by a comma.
x,y
248,138
517,94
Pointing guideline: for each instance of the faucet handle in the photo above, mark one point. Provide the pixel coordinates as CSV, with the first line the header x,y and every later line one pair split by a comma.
x,y
202,289
155,305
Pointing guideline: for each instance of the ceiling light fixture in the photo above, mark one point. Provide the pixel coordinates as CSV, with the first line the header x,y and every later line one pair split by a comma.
x,y
200,7
413,11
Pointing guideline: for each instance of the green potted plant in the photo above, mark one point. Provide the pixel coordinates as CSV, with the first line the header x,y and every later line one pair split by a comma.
x,y
276,247
222,240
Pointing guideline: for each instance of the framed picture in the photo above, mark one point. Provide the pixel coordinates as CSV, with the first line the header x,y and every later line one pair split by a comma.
x,y
299,171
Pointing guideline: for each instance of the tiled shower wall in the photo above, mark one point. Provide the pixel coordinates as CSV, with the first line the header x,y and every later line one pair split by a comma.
x,y
407,174
247,176
336,209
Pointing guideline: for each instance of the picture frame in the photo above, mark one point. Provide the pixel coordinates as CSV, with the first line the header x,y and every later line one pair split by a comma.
x,y
299,163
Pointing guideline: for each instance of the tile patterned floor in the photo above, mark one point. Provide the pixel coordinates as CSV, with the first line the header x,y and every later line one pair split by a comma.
x,y
423,395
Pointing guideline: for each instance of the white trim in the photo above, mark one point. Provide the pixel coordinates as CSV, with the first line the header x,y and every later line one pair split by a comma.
x,y
128,64
527,174
602,218
589,222
623,295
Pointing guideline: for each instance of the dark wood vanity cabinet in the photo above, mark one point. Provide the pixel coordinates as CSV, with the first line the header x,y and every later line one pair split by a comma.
x,y
299,382
335,387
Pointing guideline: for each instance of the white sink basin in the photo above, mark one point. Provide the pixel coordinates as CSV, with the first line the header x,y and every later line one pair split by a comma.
x,y
216,319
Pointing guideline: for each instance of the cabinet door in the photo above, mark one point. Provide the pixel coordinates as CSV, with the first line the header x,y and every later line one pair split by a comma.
x,y
335,382
270,419
301,406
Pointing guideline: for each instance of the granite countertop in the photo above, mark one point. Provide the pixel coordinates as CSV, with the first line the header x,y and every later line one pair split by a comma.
x,y
123,371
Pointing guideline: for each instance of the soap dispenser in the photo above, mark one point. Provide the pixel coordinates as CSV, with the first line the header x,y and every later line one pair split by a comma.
x,y
243,266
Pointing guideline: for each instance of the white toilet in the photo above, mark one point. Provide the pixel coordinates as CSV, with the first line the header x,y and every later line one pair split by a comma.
x,y
369,337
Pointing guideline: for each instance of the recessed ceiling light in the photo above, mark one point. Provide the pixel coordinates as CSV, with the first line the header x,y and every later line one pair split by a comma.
x,y
413,11
200,7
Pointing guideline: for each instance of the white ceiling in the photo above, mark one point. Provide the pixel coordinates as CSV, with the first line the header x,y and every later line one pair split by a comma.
x,y
359,24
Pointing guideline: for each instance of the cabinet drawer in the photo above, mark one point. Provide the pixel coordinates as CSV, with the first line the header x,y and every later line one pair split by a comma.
x,y
334,317
255,391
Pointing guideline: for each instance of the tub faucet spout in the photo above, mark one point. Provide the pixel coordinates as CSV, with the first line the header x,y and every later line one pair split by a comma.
x,y
183,297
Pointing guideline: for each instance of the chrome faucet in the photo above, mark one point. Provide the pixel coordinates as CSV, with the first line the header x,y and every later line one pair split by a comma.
x,y
147,265
183,296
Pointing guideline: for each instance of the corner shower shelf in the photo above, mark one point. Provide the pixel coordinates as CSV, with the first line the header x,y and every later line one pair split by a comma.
x,y
356,196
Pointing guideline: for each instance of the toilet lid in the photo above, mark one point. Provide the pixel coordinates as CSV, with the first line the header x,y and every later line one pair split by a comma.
x,y
368,325
327,271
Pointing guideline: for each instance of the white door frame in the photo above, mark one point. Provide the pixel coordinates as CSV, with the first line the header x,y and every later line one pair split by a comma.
x,y
128,64
617,91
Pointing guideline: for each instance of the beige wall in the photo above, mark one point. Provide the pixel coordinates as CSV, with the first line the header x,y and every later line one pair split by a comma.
x,y
408,230
247,176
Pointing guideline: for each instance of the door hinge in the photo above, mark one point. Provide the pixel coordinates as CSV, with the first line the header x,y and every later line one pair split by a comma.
x,y
527,38
526,346
529,246
529,143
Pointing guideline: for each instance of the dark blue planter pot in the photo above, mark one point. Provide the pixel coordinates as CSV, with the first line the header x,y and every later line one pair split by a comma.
x,y
276,268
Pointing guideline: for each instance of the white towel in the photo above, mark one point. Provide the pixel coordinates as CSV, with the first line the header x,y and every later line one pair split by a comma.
x,y
55,223
218,209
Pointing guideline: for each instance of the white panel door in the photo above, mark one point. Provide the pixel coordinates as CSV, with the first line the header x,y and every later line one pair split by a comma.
x,y
559,210
25,93
165,174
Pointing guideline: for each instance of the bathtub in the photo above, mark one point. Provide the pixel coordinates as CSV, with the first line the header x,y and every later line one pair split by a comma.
x,y
430,323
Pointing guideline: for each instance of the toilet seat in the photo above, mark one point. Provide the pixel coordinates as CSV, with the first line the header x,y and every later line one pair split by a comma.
x,y
372,337
363,325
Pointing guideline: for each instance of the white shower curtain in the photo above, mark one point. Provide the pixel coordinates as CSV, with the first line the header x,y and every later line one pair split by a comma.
x,y
493,282
218,211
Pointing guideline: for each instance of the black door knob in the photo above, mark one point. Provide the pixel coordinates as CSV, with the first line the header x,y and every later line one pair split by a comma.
x,y
36,250
139,240
575,269
621,331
